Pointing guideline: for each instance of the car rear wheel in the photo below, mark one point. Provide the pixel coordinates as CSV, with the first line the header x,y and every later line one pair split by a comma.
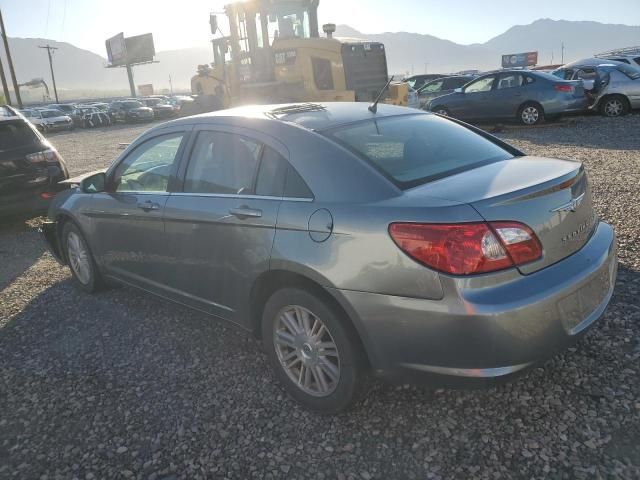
x,y
614,106
313,352
530,114
83,268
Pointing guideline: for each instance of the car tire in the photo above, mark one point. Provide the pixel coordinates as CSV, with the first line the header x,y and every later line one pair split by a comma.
x,y
614,106
530,113
84,270
326,383
441,110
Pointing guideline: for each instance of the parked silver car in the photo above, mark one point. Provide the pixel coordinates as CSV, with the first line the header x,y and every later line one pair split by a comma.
x,y
615,86
441,86
398,243
527,96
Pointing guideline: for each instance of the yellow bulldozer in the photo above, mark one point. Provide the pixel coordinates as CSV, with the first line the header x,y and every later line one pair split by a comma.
x,y
273,53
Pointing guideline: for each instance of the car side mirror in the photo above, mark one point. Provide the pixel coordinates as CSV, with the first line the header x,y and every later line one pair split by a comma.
x,y
93,184
459,90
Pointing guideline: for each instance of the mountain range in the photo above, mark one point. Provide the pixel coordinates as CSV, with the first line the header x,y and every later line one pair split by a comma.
x,y
81,73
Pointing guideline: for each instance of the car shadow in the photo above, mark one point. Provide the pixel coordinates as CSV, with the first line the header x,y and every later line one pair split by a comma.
x,y
20,247
72,360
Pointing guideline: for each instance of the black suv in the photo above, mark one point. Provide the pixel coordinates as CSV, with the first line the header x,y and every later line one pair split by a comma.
x,y
130,111
30,168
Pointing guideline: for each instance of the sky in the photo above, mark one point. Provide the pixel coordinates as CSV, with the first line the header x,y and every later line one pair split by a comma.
x,y
87,23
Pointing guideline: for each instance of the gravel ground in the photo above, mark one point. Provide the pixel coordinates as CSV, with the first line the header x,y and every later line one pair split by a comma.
x,y
122,385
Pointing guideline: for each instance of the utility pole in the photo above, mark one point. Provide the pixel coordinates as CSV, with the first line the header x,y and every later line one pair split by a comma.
x,y
170,85
16,89
563,53
5,88
132,85
53,78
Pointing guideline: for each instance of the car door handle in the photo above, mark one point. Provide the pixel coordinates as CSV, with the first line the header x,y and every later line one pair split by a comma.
x,y
245,212
148,206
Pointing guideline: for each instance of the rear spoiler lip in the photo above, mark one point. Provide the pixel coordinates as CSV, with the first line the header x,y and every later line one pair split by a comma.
x,y
78,179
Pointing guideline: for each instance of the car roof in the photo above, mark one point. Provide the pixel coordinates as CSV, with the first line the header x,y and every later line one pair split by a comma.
x,y
592,62
311,116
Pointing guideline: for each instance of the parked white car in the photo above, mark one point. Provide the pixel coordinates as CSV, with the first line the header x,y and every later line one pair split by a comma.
x,y
49,120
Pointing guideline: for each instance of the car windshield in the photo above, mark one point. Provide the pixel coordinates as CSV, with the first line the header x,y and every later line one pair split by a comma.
x,y
51,113
14,134
414,149
132,104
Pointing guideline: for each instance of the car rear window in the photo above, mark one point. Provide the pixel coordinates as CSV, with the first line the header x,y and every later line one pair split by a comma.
x,y
16,134
414,149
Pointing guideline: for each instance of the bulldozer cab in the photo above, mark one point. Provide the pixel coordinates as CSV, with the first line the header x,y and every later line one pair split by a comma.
x,y
273,53
255,25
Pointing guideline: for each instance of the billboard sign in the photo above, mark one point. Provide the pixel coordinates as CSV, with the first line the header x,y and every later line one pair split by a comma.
x,y
131,50
527,59
140,48
145,90
116,50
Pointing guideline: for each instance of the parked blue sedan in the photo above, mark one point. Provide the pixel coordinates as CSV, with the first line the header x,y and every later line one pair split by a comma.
x,y
527,96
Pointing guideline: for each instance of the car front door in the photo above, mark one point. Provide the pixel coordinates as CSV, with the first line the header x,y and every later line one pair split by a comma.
x,y
220,228
128,230
476,102
508,95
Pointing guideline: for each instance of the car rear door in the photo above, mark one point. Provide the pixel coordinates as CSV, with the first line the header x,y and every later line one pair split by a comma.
x,y
220,228
127,229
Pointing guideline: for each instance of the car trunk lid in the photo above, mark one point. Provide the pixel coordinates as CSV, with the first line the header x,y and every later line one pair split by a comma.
x,y
551,196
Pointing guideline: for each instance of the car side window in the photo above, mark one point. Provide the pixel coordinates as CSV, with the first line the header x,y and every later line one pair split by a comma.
x,y
148,167
278,178
586,74
510,80
435,86
481,85
272,174
222,163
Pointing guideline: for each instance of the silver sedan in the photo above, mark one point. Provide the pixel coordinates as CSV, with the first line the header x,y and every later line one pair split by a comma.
x,y
351,241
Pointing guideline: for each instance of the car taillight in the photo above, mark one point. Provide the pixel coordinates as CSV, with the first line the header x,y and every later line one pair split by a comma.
x,y
49,156
467,248
563,88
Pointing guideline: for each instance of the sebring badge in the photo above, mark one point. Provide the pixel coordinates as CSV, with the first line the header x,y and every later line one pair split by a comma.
x,y
570,206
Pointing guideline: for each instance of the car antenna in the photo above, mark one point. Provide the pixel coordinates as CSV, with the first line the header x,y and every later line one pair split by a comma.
x,y
373,108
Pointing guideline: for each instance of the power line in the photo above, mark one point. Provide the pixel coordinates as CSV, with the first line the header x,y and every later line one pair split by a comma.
x,y
53,78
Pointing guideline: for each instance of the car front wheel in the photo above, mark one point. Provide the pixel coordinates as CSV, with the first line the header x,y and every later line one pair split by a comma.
x,y
444,111
313,351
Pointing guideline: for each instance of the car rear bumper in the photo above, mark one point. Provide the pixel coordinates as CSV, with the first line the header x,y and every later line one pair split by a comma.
x,y
491,332
570,105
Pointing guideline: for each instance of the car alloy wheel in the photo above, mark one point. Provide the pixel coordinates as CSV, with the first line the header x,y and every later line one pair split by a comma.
x,y
530,115
613,108
306,351
79,260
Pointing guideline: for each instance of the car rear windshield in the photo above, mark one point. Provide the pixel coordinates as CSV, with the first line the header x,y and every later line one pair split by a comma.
x,y
414,149
15,134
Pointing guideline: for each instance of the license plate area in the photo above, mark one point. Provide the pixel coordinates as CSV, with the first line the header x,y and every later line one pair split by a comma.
x,y
579,305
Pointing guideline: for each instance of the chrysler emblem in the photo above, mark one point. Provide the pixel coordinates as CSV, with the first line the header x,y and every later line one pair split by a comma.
x,y
570,206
